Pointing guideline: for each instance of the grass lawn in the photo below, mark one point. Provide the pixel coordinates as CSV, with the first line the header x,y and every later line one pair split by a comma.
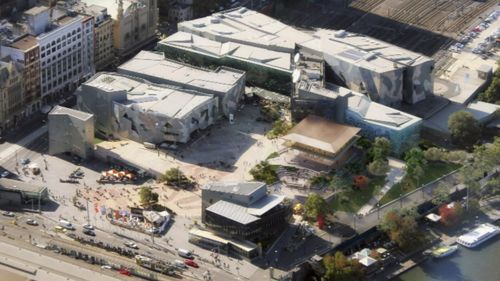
x,y
432,171
357,198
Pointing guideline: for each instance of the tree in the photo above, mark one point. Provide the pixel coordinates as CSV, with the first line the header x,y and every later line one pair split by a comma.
x,y
280,128
464,128
434,154
401,227
450,213
315,206
175,177
415,163
441,193
378,167
381,148
492,93
147,197
456,156
264,172
339,268
360,181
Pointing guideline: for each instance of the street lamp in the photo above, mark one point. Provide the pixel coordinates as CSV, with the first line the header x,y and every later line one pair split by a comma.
x,y
401,200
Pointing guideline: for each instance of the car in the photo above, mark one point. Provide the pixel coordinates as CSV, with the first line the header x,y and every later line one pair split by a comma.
x,y
88,232
66,224
180,264
185,254
131,244
31,222
25,161
8,214
4,174
106,267
191,263
59,228
88,226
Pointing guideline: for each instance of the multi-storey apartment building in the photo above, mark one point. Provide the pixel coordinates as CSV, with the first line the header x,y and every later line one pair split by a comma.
x,y
66,50
11,93
104,53
26,52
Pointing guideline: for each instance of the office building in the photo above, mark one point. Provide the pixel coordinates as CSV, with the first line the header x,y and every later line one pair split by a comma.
x,y
11,94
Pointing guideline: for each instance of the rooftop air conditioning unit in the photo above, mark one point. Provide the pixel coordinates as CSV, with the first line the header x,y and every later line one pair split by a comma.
x,y
340,34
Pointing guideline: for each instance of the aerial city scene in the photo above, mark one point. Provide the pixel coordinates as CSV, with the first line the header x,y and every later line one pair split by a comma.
x,y
287,140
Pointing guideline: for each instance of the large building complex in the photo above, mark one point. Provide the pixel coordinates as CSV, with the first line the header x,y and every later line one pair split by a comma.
x,y
136,109
71,131
265,47
243,210
225,83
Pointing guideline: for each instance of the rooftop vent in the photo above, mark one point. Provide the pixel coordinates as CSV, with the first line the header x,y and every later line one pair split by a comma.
x,y
198,24
242,10
214,20
369,56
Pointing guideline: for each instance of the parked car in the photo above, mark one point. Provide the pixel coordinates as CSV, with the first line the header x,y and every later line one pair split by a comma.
x,y
191,263
59,228
88,226
8,214
88,232
185,254
31,222
180,264
4,174
131,244
66,224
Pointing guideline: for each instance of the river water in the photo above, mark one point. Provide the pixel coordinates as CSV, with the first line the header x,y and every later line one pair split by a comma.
x,y
479,264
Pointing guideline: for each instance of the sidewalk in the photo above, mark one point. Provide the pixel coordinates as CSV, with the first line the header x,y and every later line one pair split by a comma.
x,y
394,176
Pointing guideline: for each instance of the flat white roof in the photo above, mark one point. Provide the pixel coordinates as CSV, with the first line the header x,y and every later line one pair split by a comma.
x,y
379,114
154,64
61,110
253,54
232,212
170,101
110,5
243,28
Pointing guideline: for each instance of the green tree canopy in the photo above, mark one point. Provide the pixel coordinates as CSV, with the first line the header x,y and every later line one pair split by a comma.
x,y
175,177
441,193
401,227
378,167
381,148
415,163
264,172
147,197
315,205
492,93
339,268
434,154
464,128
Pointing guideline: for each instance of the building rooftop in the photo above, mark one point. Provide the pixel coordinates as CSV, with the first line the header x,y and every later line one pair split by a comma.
x,y
61,110
241,188
253,54
25,43
248,27
36,10
242,28
322,134
379,114
111,5
143,95
232,212
15,185
154,64
265,204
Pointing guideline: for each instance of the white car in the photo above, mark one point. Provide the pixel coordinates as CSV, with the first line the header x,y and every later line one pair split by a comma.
x,y
131,244
31,222
88,226
8,214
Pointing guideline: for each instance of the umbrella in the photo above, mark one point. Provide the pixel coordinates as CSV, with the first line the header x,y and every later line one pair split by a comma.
x,y
367,261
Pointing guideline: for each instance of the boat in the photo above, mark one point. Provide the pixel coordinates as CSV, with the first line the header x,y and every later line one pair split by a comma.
x,y
478,235
443,251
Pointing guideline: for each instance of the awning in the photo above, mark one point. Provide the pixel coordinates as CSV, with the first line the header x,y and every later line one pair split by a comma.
x,y
433,217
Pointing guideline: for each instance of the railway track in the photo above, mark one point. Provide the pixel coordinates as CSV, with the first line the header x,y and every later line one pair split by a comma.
x,y
464,22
